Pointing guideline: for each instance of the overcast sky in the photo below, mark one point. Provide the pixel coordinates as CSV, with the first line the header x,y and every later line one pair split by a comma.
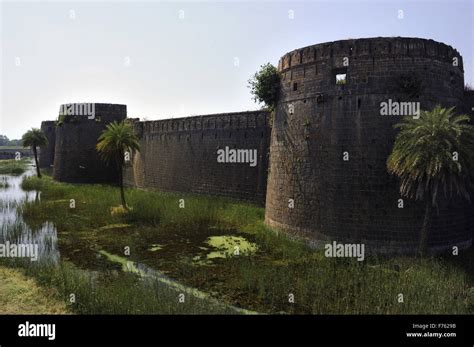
x,y
173,59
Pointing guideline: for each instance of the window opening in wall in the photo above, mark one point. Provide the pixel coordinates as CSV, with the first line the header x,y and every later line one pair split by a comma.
x,y
295,86
341,78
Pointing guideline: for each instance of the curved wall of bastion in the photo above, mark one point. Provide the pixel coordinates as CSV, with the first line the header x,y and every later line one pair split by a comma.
x,y
319,123
76,159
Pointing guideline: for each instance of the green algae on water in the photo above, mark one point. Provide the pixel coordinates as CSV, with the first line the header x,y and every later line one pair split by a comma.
x,y
224,246
230,246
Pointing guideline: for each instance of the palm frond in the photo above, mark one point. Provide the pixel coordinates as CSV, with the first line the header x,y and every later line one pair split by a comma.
x,y
424,159
34,138
115,140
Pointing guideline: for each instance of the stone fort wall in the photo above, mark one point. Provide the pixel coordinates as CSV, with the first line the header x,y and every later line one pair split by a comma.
x,y
46,156
316,123
469,102
180,155
318,120
75,156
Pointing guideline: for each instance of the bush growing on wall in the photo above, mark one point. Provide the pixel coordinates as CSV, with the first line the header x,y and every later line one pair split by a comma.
x,y
265,86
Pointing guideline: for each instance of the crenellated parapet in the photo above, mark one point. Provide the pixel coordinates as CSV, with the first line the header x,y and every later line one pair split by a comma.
x,y
377,47
221,121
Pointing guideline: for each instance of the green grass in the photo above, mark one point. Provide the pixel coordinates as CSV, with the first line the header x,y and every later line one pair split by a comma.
x,y
261,282
22,295
13,167
111,292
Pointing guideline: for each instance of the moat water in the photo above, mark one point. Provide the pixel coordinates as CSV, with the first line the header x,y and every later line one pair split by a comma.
x,y
14,231
153,258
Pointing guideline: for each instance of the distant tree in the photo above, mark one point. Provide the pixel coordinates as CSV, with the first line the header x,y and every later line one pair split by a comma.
x,y
265,86
15,142
35,138
112,144
4,141
433,154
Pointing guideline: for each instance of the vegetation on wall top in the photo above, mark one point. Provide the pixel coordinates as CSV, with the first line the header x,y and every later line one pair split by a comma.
x,y
265,86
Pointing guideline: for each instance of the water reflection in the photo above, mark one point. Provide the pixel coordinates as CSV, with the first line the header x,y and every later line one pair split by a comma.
x,y
14,229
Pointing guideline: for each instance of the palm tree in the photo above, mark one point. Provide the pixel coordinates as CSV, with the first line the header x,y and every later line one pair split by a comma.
x,y
433,154
112,144
35,138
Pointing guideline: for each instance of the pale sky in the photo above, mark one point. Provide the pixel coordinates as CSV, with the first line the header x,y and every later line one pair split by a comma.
x,y
144,55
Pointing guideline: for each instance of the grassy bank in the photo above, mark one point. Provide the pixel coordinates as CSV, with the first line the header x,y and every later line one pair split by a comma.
x,y
13,167
176,241
110,291
21,295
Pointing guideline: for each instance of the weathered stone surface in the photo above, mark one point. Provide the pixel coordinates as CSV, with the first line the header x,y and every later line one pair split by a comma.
x,y
46,156
76,159
180,155
356,200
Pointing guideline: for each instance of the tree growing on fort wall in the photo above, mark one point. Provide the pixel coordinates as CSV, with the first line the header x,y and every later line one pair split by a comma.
x,y
113,144
433,155
265,86
35,138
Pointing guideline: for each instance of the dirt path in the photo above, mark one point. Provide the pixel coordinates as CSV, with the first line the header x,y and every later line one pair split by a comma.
x,y
21,295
